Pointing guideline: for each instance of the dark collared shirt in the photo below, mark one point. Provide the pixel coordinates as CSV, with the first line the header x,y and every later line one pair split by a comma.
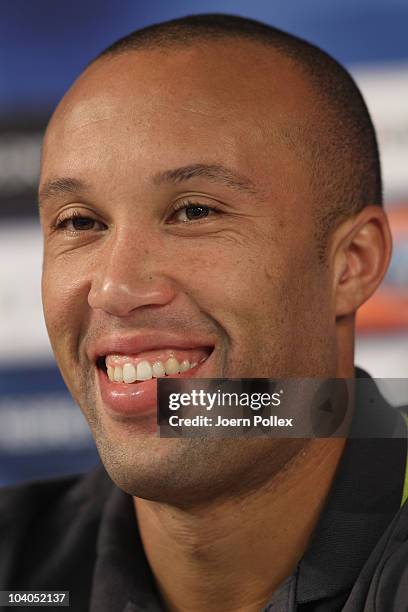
x,y
80,534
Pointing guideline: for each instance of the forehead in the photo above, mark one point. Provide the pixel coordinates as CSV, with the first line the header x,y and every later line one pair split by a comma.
x,y
238,104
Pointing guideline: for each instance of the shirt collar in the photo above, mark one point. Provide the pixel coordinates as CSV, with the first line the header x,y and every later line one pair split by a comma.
x,y
122,577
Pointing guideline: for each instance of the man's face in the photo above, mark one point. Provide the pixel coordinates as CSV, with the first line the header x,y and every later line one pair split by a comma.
x,y
202,262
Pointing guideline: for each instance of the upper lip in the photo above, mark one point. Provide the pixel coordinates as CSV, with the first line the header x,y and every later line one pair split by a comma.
x,y
137,343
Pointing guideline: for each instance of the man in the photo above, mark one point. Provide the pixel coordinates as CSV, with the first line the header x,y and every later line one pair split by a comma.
x,y
210,196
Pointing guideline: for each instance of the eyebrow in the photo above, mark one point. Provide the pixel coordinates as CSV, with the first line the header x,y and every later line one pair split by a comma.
x,y
60,186
212,172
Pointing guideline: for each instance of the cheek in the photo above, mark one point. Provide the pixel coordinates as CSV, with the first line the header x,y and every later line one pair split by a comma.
x,y
268,299
234,284
64,302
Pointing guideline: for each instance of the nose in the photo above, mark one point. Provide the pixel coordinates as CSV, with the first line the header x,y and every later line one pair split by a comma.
x,y
127,277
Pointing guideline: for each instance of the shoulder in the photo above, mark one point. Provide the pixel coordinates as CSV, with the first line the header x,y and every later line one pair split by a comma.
x,y
46,496
25,498
391,580
50,523
383,582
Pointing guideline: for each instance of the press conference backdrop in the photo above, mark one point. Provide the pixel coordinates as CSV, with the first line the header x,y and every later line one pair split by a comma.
x,y
43,46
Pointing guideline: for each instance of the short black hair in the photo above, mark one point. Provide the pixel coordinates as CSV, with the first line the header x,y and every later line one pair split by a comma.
x,y
343,150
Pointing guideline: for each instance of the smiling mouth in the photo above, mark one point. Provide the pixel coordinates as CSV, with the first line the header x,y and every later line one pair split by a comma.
x,y
132,369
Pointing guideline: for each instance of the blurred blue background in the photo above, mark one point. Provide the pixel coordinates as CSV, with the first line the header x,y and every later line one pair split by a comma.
x,y
44,45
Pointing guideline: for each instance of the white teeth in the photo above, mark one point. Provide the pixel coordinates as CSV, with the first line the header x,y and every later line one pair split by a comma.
x,y
158,369
144,370
184,365
118,374
129,373
172,366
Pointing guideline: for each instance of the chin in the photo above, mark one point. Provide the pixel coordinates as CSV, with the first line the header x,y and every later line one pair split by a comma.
x,y
192,472
160,469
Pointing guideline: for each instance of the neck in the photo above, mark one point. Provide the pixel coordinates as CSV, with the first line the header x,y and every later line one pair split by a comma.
x,y
232,554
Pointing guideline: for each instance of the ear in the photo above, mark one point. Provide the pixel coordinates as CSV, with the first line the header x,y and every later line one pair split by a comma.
x,y
361,252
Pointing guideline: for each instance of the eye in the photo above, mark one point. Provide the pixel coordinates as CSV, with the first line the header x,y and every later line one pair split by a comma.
x,y
188,212
81,223
75,223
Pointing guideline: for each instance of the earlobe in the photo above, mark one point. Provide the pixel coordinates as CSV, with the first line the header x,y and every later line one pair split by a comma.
x,y
362,251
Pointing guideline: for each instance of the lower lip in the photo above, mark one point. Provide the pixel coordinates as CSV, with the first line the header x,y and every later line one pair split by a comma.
x,y
137,399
